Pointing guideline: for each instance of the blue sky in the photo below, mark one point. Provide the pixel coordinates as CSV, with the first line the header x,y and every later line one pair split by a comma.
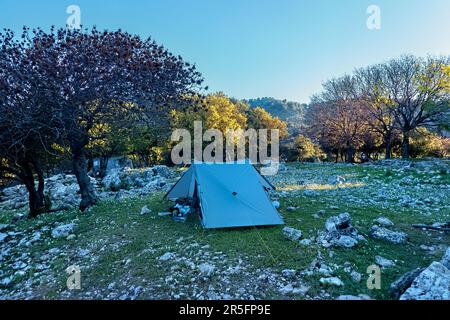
x,y
254,48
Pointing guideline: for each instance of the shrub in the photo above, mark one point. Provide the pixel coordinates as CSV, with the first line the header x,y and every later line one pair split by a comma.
x,y
308,150
428,144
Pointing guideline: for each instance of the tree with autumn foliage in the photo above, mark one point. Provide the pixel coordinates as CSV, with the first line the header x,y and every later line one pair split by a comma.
x,y
259,118
382,101
26,134
90,77
307,150
217,111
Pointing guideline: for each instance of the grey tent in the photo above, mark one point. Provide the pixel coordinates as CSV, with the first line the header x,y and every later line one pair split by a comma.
x,y
229,195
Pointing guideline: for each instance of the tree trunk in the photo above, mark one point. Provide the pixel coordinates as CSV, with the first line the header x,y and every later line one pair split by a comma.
x,y
88,196
405,145
36,199
349,153
90,164
388,142
103,166
349,156
41,181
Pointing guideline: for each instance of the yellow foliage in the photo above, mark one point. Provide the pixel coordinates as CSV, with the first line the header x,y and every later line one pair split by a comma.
x,y
224,115
261,119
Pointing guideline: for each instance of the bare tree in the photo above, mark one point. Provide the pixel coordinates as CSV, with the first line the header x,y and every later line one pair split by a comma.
x,y
380,111
415,87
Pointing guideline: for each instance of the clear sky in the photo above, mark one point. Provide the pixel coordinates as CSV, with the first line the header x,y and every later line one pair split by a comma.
x,y
256,48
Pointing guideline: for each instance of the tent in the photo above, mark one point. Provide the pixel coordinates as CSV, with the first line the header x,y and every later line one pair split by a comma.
x,y
229,195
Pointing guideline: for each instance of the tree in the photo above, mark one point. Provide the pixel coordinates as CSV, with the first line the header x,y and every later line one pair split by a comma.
x,y
224,114
380,110
307,150
416,88
148,144
337,119
427,144
94,77
290,112
25,134
259,118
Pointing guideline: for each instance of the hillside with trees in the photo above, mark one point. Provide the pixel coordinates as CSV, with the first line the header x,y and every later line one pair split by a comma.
x,y
291,112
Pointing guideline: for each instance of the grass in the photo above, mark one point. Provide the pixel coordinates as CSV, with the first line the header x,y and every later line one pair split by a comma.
x,y
117,236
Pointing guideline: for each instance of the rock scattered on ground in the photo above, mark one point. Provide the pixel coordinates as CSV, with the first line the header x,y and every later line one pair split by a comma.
x,y
399,286
382,233
350,297
339,232
292,234
63,231
145,210
332,281
385,222
383,262
119,183
431,284
167,256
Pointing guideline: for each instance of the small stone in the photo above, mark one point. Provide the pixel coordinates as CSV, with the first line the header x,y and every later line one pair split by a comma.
x,y
356,276
288,273
36,236
382,233
321,213
206,269
305,242
167,256
63,231
19,265
290,209
54,251
145,210
290,289
383,262
276,204
18,217
338,222
332,281
385,222
83,252
336,180
71,237
346,242
3,236
6,281
162,171
292,234
163,214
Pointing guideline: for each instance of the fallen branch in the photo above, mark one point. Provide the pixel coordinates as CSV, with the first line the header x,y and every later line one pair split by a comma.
x,y
428,227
